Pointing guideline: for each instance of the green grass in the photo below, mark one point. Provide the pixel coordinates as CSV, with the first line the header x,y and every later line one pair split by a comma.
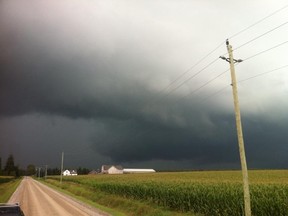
x,y
7,187
185,193
81,193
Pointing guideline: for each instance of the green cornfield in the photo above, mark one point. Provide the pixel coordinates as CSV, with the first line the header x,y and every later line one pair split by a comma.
x,y
208,193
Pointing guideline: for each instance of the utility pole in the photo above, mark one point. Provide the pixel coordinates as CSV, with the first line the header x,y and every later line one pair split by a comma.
x,y
45,172
39,170
61,175
231,61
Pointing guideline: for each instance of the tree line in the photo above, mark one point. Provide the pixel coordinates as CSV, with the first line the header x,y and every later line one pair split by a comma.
x,y
10,169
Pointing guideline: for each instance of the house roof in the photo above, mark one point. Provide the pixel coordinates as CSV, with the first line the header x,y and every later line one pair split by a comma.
x,y
107,167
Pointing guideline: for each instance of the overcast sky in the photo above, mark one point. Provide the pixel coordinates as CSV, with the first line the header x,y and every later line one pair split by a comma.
x,y
140,83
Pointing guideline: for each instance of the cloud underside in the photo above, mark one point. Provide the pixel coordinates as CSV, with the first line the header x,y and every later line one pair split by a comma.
x,y
110,75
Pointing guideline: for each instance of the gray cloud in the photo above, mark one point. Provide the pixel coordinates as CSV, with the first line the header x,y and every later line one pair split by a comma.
x,y
102,73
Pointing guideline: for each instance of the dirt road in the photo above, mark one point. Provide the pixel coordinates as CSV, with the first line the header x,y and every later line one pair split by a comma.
x,y
37,199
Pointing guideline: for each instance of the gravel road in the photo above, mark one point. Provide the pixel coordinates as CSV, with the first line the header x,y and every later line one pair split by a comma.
x,y
37,199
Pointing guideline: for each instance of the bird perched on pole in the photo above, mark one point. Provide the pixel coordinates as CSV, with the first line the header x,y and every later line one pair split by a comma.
x,y
227,42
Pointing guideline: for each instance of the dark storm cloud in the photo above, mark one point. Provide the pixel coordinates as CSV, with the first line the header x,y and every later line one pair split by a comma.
x,y
137,127
113,75
264,140
37,81
165,143
41,83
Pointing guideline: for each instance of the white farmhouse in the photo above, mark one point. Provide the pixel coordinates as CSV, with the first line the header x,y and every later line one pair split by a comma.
x,y
73,173
66,173
69,173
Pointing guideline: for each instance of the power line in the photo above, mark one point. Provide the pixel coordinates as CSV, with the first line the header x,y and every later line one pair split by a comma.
x,y
265,73
194,75
259,21
215,93
208,82
276,46
218,46
185,72
206,98
244,80
185,81
211,63
205,84
213,79
259,36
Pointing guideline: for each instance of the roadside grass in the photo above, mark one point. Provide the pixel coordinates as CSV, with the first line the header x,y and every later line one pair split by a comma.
x,y
112,204
7,187
84,196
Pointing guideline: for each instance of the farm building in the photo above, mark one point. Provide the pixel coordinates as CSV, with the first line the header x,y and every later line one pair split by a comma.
x,y
73,173
139,171
111,169
93,172
69,173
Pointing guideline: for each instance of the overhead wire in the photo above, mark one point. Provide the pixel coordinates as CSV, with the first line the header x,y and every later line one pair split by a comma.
x,y
264,51
259,21
219,75
205,84
218,46
259,36
212,62
264,73
250,57
215,93
194,91
244,80
191,77
193,66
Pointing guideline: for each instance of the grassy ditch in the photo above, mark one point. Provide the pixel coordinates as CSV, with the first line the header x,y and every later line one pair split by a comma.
x,y
7,187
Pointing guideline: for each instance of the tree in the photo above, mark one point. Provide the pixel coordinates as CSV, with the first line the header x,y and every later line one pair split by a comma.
x,y
31,170
82,171
10,169
54,171
0,166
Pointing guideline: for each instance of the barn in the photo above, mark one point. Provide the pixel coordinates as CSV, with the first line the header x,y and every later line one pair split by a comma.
x,y
112,169
139,171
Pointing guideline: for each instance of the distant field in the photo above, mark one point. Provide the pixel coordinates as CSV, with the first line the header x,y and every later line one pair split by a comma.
x,y
7,186
206,193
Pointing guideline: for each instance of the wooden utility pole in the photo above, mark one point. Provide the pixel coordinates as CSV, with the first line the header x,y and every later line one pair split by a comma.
x,y
45,172
62,161
231,61
39,172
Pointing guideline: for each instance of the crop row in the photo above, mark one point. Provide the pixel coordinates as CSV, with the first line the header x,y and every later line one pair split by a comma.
x,y
222,199
206,198
210,193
